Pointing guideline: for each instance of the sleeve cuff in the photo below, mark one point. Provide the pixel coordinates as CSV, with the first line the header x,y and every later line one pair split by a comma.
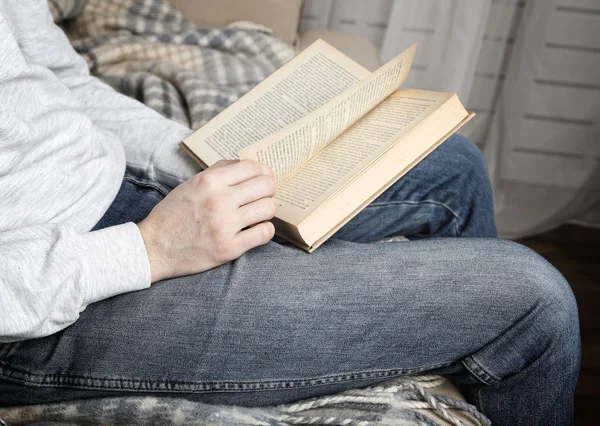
x,y
119,263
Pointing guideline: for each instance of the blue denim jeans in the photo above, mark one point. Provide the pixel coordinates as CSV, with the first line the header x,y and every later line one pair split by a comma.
x,y
277,324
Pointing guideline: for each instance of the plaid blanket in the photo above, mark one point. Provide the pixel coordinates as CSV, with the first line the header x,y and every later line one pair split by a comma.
x,y
146,49
408,401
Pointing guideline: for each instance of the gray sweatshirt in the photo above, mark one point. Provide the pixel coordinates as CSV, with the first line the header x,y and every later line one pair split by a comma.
x,y
64,139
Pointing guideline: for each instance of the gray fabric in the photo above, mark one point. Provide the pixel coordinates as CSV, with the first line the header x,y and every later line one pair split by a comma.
x,y
146,49
401,401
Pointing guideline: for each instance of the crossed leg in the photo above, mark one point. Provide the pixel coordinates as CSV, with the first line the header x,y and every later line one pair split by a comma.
x,y
278,325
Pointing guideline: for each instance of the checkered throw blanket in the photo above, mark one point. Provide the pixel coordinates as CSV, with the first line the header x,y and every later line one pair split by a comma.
x,y
407,401
146,49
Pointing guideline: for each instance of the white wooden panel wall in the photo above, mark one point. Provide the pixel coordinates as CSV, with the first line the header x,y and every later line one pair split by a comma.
x,y
315,14
555,140
490,72
368,19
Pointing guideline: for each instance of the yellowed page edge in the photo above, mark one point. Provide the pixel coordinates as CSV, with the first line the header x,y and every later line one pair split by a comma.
x,y
289,232
191,153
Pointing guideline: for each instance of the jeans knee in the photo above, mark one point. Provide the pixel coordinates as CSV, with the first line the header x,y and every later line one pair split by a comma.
x,y
543,334
551,301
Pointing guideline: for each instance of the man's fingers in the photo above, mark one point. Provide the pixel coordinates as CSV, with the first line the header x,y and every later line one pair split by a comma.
x,y
257,211
240,171
255,236
258,187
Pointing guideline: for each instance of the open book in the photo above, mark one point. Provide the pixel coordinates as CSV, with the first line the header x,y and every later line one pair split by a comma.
x,y
335,134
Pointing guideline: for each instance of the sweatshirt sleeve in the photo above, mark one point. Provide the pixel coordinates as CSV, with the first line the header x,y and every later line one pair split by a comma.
x,y
58,175
50,273
150,141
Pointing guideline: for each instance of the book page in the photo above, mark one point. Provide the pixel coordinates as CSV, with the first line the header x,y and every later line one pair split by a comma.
x,y
289,148
312,78
342,160
381,175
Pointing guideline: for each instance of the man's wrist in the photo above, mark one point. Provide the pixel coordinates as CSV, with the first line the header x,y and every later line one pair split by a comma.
x,y
159,269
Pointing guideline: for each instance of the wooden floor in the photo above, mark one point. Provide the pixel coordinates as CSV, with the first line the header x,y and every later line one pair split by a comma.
x,y
575,251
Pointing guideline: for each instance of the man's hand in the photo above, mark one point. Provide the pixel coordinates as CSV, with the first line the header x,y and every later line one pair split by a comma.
x,y
212,218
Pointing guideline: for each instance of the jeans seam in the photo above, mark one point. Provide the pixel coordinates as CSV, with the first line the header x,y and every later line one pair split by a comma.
x,y
411,202
478,371
148,183
216,386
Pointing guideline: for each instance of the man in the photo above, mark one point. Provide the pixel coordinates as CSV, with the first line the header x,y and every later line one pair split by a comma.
x,y
231,317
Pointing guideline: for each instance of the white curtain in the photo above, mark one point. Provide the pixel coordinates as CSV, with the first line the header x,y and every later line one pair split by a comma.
x,y
530,69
